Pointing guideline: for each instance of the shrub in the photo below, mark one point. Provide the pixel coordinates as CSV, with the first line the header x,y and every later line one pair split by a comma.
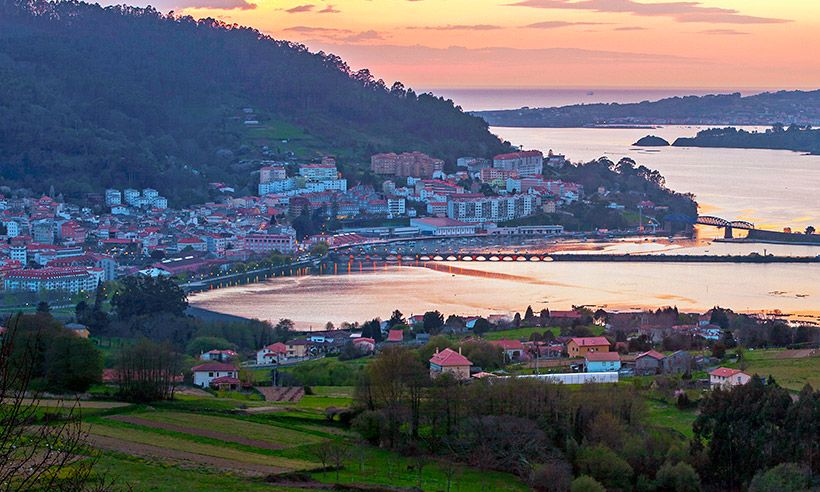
x,y
785,477
553,476
585,483
370,425
677,478
604,465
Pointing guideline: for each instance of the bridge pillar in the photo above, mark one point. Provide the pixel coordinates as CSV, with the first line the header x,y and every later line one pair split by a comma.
x,y
728,233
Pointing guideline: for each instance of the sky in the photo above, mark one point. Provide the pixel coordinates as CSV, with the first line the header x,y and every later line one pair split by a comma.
x,y
706,44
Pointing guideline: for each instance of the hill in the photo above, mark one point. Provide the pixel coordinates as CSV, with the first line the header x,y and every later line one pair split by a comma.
x,y
92,97
768,108
777,138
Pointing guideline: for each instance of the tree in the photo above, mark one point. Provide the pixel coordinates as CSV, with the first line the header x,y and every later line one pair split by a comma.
x,y
481,326
397,318
433,321
143,295
484,354
73,363
810,230
719,350
529,315
36,456
43,307
338,452
585,483
785,477
604,465
147,371
553,476
517,320
677,478
544,317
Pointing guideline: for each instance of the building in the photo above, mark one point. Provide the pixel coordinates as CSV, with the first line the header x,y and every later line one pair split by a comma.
x,y
298,348
602,362
193,243
581,346
448,361
268,243
726,378
275,353
513,349
443,227
319,172
526,163
480,208
113,197
272,173
649,363
218,355
396,206
73,280
131,196
205,374
408,164
395,336
679,362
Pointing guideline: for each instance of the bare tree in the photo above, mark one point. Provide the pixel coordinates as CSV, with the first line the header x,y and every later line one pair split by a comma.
x,y
338,452
42,456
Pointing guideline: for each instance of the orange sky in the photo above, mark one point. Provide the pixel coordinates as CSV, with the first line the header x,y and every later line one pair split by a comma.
x,y
712,44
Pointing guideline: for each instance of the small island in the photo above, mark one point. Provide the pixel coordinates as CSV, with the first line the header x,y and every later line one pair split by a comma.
x,y
651,141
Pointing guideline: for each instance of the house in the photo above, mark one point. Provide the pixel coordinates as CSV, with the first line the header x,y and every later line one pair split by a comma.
x,y
226,383
580,346
204,374
395,336
679,362
78,329
602,362
513,349
365,345
218,355
275,353
448,361
298,348
727,378
649,363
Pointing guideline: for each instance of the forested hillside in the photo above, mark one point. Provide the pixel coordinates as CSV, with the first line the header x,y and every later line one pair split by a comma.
x,y
92,97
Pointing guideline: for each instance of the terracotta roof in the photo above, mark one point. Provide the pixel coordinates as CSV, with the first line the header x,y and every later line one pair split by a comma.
x,y
213,367
277,347
449,358
225,380
590,341
508,344
602,356
395,336
518,155
364,340
653,354
725,372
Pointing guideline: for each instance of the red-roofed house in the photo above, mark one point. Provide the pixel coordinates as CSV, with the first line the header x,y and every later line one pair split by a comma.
x,y
274,353
204,374
448,361
513,349
726,378
395,336
580,346
649,363
365,345
602,361
218,355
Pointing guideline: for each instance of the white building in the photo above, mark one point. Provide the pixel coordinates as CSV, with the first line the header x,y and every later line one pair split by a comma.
x,y
113,197
19,253
131,196
396,207
205,373
481,209
73,280
277,186
727,378
319,172
526,163
443,227
272,173
12,229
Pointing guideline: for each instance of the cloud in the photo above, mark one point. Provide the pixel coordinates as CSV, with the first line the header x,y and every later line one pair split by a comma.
x,y
315,30
308,7
559,24
681,11
630,28
362,36
163,5
336,35
458,27
724,32
330,9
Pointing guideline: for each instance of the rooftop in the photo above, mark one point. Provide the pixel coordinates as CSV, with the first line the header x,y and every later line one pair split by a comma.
x,y
449,358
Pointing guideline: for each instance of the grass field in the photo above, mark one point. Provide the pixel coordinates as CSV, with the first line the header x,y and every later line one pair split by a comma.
x,y
791,369
663,414
524,333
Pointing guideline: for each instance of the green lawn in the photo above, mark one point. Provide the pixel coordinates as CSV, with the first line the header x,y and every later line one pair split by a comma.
x,y
663,414
524,333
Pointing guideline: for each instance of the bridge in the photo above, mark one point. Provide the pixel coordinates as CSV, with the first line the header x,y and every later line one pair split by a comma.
x,y
710,220
421,258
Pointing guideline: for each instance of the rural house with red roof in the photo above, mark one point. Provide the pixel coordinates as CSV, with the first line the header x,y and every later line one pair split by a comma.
x,y
727,378
580,346
649,363
602,362
448,361
513,349
205,374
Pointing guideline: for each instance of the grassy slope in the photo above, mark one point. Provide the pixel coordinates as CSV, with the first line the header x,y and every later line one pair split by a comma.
x,y
524,333
790,373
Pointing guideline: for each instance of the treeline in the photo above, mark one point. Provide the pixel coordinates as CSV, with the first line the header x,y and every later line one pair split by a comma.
x,y
595,437
93,97
801,107
795,137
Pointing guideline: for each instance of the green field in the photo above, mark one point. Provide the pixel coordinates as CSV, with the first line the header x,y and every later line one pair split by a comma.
x,y
524,333
791,369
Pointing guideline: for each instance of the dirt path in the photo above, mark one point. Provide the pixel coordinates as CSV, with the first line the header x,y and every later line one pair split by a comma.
x,y
797,354
182,458
197,432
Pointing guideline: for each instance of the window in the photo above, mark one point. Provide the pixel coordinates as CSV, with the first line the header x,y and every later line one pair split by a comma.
x,y
210,374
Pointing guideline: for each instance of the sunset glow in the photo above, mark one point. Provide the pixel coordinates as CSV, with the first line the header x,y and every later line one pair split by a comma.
x,y
548,43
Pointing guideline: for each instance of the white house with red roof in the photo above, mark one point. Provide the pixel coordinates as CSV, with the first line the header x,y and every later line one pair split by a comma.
x,y
365,345
726,378
448,361
513,349
205,374
275,353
